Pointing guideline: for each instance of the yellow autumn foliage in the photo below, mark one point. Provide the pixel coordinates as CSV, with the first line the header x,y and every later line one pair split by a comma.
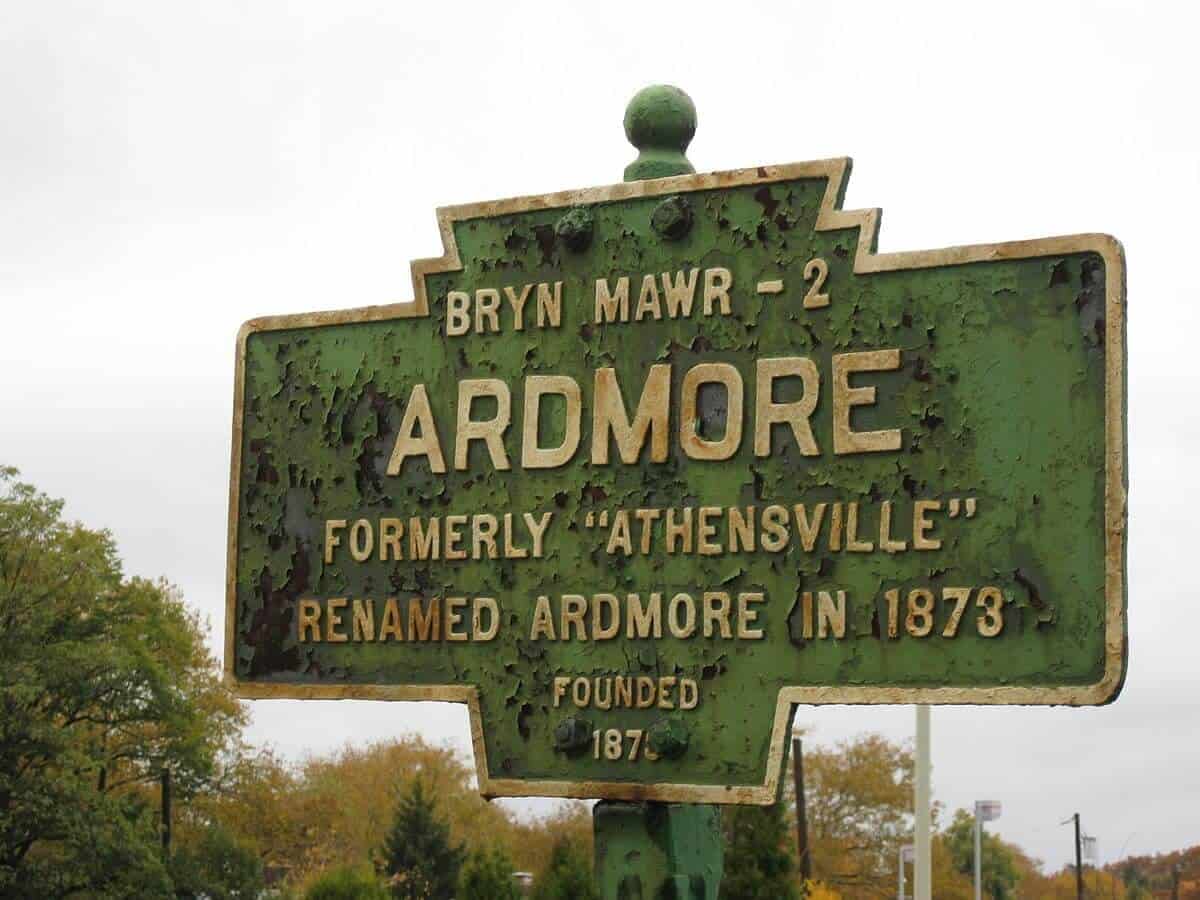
x,y
334,810
818,891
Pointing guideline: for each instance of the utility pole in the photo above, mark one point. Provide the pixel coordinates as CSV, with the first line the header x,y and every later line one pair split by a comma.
x,y
166,810
922,844
1078,861
802,851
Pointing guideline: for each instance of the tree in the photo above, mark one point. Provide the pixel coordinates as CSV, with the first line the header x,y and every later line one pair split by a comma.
x,y
757,865
1159,874
948,882
109,851
347,883
536,839
1136,882
859,798
419,860
344,790
488,875
567,877
104,681
216,867
259,799
815,890
326,812
1096,883
998,865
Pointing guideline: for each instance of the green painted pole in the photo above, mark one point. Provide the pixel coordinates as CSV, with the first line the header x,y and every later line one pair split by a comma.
x,y
658,851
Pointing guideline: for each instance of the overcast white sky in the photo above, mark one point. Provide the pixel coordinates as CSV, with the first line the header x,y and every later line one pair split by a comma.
x,y
169,169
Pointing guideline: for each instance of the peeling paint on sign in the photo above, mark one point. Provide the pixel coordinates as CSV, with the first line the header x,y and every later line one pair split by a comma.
x,y
644,466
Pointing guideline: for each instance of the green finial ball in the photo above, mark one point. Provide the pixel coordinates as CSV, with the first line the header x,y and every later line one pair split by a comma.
x,y
660,121
661,117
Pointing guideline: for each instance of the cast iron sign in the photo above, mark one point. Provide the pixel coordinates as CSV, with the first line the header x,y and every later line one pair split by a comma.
x,y
644,466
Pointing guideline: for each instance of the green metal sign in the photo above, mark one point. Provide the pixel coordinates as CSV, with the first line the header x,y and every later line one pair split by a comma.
x,y
644,466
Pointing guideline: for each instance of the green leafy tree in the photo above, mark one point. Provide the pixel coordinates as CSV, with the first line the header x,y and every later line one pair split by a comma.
x,y
104,681
567,877
1137,884
419,861
488,875
347,883
757,867
109,851
216,867
998,866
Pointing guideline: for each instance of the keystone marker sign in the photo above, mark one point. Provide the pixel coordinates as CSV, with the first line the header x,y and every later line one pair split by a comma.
x,y
643,467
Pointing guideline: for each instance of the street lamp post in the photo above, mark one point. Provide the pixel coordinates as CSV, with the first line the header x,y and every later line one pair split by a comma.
x,y
985,811
907,855
922,868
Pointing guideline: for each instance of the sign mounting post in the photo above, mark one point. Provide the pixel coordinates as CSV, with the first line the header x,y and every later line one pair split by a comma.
x,y
643,467
679,845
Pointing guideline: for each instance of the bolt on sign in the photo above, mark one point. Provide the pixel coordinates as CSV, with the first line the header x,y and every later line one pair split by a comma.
x,y
642,467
